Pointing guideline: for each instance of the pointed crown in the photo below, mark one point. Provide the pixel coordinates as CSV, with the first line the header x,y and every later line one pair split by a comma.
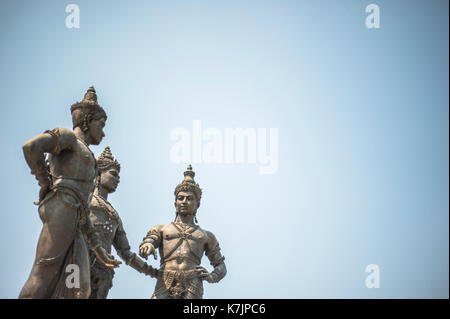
x,y
89,103
189,184
106,160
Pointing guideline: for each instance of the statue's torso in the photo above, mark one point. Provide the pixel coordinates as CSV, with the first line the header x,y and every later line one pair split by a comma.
x,y
182,250
74,168
105,220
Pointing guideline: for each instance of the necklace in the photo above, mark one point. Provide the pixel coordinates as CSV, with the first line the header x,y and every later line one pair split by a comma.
x,y
184,229
112,212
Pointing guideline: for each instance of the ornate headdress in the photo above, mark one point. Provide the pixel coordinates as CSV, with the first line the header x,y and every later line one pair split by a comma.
x,y
189,185
106,160
88,106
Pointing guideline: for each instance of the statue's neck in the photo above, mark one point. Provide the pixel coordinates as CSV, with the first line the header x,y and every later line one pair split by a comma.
x,y
186,219
101,191
81,135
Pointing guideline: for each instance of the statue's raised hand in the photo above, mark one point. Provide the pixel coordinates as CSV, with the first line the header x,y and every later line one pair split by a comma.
x,y
148,249
106,258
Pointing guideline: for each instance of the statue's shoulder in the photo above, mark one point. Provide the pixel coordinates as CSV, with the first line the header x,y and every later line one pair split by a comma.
x,y
157,228
64,133
66,137
166,227
211,237
208,235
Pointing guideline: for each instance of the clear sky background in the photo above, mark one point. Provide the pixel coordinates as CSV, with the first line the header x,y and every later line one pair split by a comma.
x,y
363,122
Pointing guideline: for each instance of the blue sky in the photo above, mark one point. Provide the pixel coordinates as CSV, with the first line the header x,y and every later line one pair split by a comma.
x,y
362,116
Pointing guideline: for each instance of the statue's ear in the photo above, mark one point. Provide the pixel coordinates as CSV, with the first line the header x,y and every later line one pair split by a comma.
x,y
198,205
87,119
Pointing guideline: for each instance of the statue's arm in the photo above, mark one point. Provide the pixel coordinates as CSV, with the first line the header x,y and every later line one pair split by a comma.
x,y
151,242
212,251
123,249
53,142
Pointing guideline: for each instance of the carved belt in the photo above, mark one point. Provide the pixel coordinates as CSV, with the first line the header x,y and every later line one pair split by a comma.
x,y
178,282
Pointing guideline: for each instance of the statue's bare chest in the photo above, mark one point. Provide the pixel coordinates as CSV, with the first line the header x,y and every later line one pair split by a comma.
x,y
77,163
183,242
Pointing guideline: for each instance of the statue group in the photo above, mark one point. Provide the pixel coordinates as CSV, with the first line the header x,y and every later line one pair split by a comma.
x,y
80,225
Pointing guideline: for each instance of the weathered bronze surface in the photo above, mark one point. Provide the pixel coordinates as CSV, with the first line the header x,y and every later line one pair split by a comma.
x,y
181,245
109,226
67,181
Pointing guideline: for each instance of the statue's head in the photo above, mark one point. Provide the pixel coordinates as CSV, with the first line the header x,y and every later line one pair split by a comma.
x,y
108,171
89,116
188,194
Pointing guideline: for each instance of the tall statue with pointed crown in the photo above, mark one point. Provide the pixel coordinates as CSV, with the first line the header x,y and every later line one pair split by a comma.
x,y
181,245
66,179
109,226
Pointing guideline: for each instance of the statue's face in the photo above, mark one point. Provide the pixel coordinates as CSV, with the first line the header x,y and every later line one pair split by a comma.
x,y
186,203
96,133
110,179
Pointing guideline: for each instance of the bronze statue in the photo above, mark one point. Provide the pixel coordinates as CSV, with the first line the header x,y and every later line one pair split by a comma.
x,y
110,228
181,246
67,181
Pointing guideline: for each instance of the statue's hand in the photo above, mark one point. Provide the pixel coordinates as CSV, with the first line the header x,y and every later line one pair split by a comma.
x,y
204,274
106,258
146,250
42,193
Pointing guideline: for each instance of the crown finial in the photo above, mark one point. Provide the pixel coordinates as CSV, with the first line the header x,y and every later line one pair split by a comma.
x,y
106,160
91,96
106,154
189,174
